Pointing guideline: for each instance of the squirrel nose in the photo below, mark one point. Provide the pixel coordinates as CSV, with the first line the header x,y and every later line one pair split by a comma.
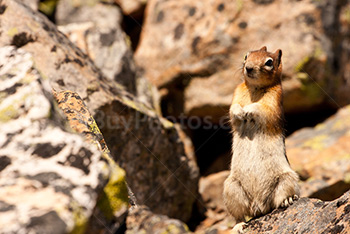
x,y
248,69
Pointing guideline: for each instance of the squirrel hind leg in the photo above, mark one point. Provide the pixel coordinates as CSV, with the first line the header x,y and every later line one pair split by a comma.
x,y
287,190
236,199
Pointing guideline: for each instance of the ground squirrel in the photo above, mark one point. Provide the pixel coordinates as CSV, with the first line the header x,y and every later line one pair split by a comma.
x,y
261,178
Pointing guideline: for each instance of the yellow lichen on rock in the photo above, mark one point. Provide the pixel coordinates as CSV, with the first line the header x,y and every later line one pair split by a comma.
x,y
316,143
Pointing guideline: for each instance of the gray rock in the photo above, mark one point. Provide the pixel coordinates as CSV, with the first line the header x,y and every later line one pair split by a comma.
x,y
96,29
49,178
142,220
33,4
159,171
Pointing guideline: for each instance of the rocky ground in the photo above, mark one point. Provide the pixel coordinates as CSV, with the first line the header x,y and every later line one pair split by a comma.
x,y
113,113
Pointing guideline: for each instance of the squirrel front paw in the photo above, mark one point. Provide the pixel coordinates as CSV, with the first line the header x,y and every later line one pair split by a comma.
x,y
236,112
251,111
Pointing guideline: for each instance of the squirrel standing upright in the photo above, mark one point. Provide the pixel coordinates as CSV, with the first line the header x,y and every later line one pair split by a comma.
x,y
261,178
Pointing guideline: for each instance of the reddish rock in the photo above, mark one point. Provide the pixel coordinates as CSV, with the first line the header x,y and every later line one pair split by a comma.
x,y
211,188
217,219
321,156
306,216
193,51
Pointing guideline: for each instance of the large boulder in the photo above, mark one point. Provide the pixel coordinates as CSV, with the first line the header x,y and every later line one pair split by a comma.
x,y
306,216
321,156
217,220
50,177
96,29
193,51
159,171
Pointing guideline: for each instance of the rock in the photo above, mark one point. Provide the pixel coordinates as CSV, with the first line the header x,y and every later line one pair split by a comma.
x,y
80,11
306,216
146,146
50,178
192,51
150,150
335,19
33,4
98,33
111,209
211,188
217,219
132,7
327,166
142,220
96,29
66,67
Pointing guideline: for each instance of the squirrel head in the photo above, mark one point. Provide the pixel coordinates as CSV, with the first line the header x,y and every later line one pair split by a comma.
x,y
262,68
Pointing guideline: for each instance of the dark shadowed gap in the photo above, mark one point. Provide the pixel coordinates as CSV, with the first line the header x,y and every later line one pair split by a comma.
x,y
132,26
294,122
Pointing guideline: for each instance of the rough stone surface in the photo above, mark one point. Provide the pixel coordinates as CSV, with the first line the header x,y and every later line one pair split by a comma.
x,y
150,150
111,209
193,51
50,177
217,219
96,30
33,4
66,67
158,170
326,168
142,220
132,7
306,216
100,36
79,11
336,24
211,188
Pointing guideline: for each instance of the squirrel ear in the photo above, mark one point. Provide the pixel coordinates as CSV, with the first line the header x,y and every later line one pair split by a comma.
x,y
263,48
278,56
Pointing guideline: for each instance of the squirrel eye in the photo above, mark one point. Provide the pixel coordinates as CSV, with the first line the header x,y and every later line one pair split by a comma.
x,y
269,63
245,57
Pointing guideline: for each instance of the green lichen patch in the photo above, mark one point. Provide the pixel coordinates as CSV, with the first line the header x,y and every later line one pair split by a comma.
x,y
300,66
48,7
80,220
114,198
312,90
